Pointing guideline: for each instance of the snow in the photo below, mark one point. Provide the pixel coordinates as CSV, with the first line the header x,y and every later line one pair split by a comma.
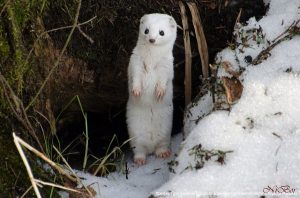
x,y
197,110
262,129
265,150
141,180
254,148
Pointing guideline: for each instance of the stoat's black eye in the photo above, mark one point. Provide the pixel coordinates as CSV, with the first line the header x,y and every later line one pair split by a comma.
x,y
146,31
161,33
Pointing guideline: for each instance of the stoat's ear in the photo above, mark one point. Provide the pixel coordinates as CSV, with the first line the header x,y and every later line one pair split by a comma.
x,y
142,20
172,22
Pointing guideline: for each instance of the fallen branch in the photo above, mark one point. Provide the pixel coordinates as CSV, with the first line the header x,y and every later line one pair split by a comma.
x,y
289,33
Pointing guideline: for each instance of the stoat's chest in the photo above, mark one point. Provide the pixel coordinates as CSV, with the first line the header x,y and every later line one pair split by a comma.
x,y
151,59
150,75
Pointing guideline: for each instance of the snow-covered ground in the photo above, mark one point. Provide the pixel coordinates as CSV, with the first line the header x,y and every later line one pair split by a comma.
x,y
252,150
141,180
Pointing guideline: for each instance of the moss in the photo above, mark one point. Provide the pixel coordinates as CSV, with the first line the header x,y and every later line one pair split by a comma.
x,y
4,47
20,10
24,11
14,13
20,16
13,179
16,36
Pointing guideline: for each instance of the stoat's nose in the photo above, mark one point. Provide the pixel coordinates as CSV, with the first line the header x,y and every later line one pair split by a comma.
x,y
152,40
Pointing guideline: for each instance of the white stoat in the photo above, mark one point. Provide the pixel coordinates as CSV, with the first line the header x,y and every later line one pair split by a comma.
x,y
150,75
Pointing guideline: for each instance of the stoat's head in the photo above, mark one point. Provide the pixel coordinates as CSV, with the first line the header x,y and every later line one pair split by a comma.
x,y
158,29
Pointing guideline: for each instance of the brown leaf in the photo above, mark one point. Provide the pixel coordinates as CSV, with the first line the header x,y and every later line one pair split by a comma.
x,y
228,68
233,88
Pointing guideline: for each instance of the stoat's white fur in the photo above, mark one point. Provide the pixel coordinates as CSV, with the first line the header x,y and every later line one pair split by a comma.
x,y
150,75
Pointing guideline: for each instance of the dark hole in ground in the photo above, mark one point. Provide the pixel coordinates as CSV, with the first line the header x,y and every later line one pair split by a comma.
x,y
218,25
101,130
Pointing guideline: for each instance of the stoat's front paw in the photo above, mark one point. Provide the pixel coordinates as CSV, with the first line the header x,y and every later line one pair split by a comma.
x,y
136,91
159,91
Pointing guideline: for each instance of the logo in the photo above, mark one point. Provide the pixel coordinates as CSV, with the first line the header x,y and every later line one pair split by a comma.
x,y
286,189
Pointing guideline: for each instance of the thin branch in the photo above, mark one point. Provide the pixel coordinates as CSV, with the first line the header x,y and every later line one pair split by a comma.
x,y
53,30
35,182
295,23
17,107
69,167
55,185
25,193
264,54
59,57
237,20
67,27
24,159
42,156
85,35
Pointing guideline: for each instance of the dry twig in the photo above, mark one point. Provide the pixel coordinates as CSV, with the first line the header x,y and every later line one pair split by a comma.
x,y
25,193
46,159
25,161
288,33
36,182
55,185
85,35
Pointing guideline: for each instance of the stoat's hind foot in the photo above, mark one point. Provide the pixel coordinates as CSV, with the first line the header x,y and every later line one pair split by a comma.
x,y
140,161
163,153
